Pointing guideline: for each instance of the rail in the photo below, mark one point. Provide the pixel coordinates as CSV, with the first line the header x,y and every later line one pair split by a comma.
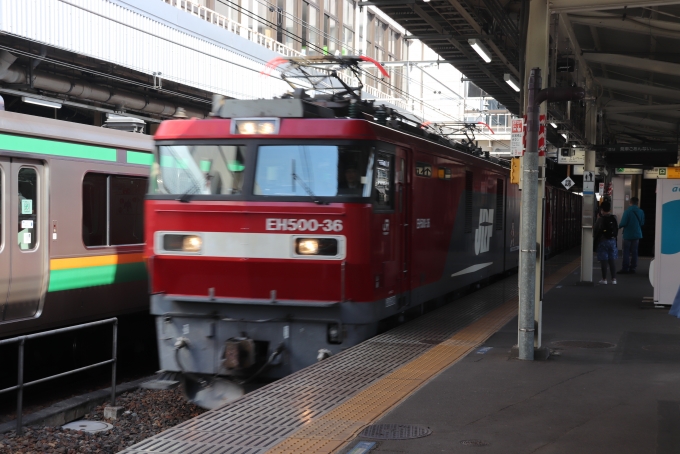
x,y
20,379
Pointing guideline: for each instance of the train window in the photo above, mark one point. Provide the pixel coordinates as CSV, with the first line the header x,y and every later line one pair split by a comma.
x,y
199,169
499,204
126,210
28,208
384,169
468,201
113,210
95,188
313,170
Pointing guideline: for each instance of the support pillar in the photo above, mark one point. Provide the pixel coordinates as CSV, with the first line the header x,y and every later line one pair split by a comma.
x,y
527,237
588,214
538,40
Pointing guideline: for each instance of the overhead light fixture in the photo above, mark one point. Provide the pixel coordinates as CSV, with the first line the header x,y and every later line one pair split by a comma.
x,y
554,125
480,49
511,81
565,136
41,102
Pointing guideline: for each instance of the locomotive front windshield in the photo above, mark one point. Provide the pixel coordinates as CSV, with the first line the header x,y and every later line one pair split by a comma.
x,y
199,169
314,170
264,170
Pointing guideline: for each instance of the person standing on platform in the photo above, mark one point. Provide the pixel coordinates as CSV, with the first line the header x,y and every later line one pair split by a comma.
x,y
632,221
605,231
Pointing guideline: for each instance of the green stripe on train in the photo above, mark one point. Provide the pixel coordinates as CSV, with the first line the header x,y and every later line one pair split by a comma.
x,y
50,147
135,157
74,278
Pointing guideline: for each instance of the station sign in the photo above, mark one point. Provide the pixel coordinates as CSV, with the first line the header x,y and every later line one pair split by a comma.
x,y
568,183
517,138
655,173
571,156
658,173
627,171
579,169
588,182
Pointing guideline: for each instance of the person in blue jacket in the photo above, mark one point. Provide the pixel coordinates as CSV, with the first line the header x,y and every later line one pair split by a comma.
x,y
632,221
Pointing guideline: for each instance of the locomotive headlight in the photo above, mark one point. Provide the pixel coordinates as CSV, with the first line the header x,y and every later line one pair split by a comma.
x,y
266,127
316,246
192,243
182,243
255,126
246,127
307,247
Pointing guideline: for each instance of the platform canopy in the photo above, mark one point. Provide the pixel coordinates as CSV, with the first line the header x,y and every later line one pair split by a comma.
x,y
447,26
632,50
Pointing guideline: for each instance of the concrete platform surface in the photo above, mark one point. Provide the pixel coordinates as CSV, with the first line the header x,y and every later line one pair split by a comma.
x,y
617,391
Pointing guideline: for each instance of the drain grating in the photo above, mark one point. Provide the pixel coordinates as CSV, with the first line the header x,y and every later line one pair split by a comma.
x,y
395,431
474,443
583,344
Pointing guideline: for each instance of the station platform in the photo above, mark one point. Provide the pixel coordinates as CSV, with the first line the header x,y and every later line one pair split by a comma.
x,y
610,386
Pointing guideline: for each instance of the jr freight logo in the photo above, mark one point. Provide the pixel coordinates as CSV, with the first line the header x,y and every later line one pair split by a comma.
x,y
484,232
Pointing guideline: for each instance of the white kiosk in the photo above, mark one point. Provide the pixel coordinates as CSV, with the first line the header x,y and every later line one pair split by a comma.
x,y
665,270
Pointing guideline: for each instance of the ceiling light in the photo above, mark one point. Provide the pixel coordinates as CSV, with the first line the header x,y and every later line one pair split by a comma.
x,y
554,125
480,49
41,102
565,136
511,81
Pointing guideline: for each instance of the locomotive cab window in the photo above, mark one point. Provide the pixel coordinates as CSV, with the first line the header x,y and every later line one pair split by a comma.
x,y
384,188
198,170
113,210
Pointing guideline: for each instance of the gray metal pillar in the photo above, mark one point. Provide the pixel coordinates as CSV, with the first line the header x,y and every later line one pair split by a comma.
x,y
538,35
527,239
587,219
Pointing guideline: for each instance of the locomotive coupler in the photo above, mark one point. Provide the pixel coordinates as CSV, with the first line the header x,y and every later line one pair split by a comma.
x,y
239,353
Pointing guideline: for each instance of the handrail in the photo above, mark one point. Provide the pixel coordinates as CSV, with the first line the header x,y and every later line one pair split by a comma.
x,y
20,379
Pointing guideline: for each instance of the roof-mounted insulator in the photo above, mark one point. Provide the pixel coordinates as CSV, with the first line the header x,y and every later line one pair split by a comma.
x,y
354,111
381,115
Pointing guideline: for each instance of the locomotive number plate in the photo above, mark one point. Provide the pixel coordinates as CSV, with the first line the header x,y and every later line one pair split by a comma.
x,y
304,225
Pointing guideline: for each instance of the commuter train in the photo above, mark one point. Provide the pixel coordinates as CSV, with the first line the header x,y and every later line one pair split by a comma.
x,y
71,223
282,231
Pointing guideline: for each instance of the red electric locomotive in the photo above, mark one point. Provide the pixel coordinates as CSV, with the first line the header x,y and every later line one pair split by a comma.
x,y
283,231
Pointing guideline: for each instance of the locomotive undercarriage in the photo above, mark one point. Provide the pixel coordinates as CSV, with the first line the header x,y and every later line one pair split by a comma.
x,y
203,339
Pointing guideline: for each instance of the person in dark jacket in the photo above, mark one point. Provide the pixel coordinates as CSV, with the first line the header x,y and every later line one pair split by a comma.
x,y
604,232
632,221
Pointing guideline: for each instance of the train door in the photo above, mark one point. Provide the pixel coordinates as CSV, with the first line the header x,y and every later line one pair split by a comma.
x,y
403,236
23,204
4,249
390,209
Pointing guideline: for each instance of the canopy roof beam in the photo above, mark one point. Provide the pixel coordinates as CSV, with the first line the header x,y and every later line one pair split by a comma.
x,y
565,6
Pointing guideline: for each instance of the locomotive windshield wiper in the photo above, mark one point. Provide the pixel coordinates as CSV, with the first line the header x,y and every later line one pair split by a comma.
x,y
184,198
307,189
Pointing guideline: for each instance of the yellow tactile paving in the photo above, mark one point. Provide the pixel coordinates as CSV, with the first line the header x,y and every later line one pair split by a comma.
x,y
334,429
